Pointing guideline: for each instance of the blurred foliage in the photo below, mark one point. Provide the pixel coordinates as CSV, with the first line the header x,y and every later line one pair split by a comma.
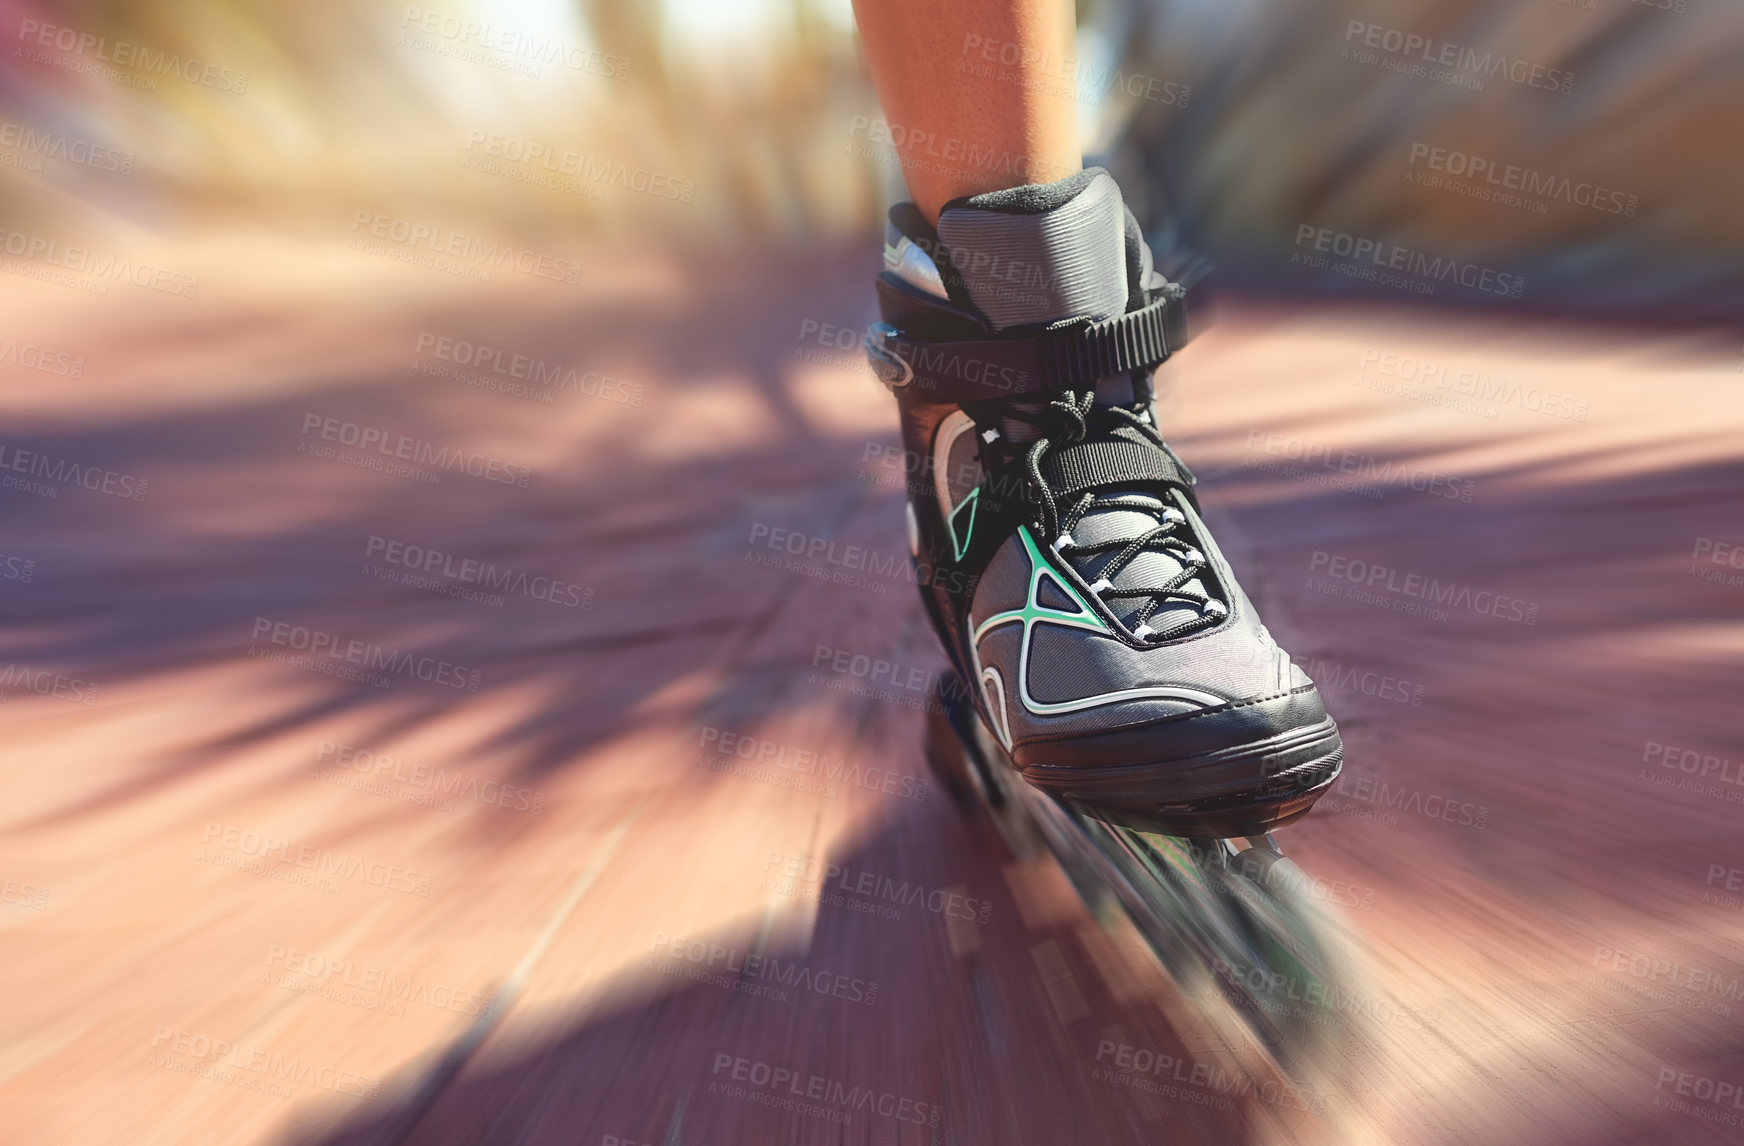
x,y
352,104
1289,124
1273,125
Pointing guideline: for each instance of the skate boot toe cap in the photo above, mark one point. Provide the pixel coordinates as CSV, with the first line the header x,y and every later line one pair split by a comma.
x,y
1139,732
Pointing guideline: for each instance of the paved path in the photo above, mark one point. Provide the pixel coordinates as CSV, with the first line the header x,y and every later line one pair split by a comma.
x,y
357,790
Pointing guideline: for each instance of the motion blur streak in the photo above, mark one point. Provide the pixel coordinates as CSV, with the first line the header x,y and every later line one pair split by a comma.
x,y
462,681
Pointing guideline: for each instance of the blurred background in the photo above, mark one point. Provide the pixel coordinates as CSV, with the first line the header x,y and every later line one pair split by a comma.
x,y
311,312
1588,140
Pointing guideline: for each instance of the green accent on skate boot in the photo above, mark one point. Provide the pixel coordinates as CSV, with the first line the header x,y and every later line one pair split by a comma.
x,y
1034,613
1033,610
962,543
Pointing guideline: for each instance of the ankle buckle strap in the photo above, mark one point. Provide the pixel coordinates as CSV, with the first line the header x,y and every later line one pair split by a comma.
x,y
1074,356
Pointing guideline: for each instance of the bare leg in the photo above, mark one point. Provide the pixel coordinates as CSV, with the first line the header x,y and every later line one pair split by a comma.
x,y
964,133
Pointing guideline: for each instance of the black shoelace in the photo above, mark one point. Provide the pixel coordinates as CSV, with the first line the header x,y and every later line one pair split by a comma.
x,y
1070,417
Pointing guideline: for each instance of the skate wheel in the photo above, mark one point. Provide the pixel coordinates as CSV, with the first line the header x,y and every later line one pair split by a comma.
x,y
1290,980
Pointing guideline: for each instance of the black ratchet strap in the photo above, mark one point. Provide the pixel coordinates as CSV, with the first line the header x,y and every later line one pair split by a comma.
x,y
1071,356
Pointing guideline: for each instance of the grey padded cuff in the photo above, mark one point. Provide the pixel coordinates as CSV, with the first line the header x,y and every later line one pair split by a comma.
x,y
1038,254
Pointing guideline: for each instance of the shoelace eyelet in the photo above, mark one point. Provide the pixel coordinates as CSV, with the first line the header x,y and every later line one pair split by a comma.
x,y
1076,409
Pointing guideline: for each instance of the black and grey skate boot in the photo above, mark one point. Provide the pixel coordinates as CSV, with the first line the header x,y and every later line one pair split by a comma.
x,y
1102,635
